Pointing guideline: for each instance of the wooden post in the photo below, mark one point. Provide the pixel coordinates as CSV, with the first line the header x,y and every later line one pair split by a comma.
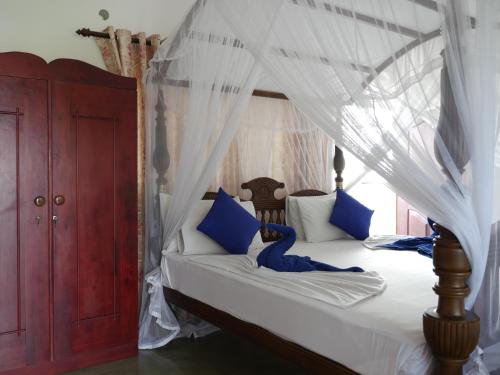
x,y
161,158
451,331
338,166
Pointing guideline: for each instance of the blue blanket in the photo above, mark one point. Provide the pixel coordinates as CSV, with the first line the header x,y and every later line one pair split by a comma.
x,y
423,245
273,256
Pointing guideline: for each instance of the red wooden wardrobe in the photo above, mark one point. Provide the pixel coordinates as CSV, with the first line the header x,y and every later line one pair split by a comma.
x,y
68,215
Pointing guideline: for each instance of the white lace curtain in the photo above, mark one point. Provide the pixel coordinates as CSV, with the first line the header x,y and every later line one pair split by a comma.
x,y
373,87
274,139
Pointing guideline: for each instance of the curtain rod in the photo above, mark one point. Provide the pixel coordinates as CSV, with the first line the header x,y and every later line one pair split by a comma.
x,y
256,92
269,94
86,32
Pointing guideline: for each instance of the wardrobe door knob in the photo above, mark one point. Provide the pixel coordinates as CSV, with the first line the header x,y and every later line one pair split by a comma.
x,y
59,200
39,201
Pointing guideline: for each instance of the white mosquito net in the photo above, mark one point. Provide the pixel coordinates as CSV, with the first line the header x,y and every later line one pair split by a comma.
x,y
365,73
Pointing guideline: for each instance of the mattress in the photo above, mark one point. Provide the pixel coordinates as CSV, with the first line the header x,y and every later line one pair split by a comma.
x,y
380,335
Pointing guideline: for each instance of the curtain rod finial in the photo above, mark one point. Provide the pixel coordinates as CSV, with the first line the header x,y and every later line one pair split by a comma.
x,y
83,31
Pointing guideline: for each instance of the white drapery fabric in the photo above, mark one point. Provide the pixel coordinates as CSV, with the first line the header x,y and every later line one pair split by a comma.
x,y
371,86
275,139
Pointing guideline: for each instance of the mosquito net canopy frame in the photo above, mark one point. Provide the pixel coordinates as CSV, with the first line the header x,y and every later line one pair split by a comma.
x,y
367,73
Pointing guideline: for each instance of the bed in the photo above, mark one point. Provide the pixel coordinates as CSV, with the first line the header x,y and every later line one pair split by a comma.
x,y
380,335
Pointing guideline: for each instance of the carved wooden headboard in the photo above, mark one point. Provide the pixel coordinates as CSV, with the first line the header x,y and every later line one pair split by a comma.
x,y
268,208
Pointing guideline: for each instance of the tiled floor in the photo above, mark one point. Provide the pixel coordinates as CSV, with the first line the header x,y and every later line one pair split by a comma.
x,y
217,354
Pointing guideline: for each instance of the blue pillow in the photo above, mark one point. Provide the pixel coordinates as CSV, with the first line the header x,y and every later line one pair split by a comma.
x,y
351,216
229,224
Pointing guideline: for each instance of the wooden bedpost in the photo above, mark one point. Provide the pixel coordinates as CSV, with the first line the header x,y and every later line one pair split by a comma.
x,y
338,166
161,158
451,331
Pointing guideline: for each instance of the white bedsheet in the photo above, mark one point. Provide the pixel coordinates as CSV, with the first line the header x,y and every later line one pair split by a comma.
x,y
340,289
373,242
381,335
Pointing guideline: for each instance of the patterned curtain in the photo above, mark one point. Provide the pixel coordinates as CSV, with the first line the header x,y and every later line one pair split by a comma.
x,y
275,140
125,58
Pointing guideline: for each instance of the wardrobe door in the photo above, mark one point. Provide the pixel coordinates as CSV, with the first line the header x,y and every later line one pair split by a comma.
x,y
94,143
24,255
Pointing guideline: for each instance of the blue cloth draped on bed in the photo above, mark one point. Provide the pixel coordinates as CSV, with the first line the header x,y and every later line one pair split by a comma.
x,y
423,245
273,256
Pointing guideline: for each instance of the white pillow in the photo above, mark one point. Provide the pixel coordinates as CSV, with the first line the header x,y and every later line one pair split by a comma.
x,y
191,240
257,242
194,242
292,217
315,215
292,213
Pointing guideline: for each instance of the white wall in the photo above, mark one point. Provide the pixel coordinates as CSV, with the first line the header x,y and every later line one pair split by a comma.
x,y
47,27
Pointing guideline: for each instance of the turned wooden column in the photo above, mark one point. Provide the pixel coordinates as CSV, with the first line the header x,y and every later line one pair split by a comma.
x,y
338,166
451,331
160,157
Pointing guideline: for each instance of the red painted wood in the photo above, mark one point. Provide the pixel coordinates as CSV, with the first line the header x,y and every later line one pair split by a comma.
x,y
95,216
84,359
410,221
76,71
95,238
27,65
24,252
9,250
56,280
23,65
